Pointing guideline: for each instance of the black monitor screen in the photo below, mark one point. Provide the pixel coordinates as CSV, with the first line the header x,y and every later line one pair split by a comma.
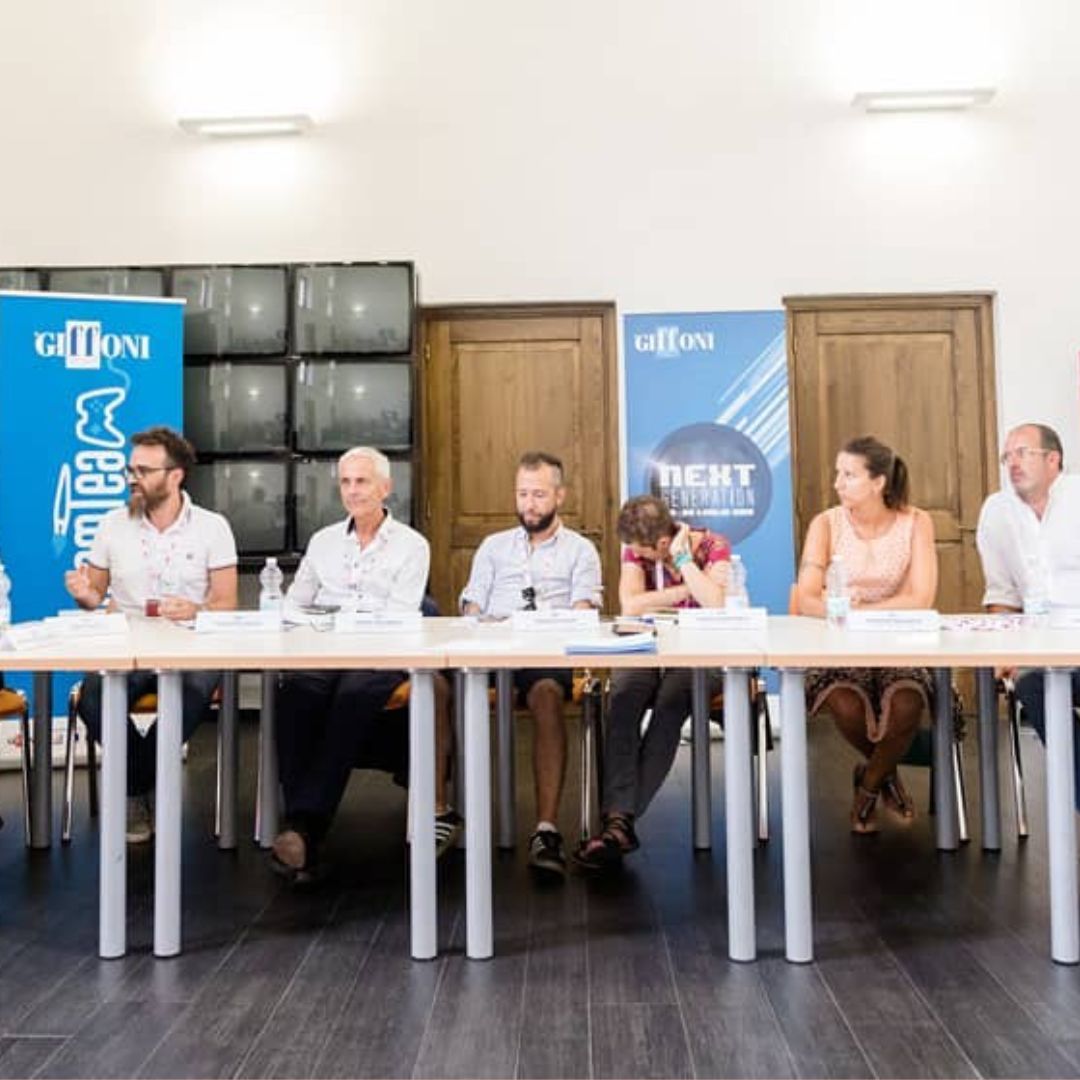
x,y
343,403
251,495
236,407
232,311
110,282
25,280
318,502
353,309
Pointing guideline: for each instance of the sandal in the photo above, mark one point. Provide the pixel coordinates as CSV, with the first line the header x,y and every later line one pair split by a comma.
x,y
896,799
863,807
605,851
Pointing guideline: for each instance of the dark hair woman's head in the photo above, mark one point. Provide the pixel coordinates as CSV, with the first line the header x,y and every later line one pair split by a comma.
x,y
645,520
882,460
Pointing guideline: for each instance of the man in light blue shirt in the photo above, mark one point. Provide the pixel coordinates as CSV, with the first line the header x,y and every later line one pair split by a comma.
x,y
540,564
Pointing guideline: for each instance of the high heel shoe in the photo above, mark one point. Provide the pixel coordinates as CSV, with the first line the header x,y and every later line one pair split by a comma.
x,y
864,806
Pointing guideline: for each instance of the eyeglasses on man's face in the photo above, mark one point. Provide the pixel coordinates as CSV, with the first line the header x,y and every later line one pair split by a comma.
x,y
1019,454
141,472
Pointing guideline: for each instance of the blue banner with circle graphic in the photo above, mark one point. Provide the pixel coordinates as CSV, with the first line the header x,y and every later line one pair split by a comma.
x,y
707,430
78,376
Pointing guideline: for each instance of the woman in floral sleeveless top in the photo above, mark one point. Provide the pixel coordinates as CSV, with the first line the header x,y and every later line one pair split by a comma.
x,y
887,548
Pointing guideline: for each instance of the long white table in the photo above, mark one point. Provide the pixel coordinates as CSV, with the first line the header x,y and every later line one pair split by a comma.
x,y
790,644
795,644
171,650
481,649
114,656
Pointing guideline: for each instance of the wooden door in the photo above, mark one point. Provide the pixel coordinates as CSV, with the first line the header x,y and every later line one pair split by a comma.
x,y
918,373
498,381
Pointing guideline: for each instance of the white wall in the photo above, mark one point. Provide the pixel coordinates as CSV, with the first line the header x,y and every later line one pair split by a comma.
x,y
693,155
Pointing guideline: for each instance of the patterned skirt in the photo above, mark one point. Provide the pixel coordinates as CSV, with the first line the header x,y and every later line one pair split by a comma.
x,y
875,686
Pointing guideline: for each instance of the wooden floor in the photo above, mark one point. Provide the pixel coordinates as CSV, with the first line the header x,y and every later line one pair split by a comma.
x,y
927,964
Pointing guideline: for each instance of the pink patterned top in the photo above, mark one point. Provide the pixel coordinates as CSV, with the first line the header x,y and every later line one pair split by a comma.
x,y
876,568
711,548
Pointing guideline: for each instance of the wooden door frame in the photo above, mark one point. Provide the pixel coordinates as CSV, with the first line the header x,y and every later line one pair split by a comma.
x,y
604,310
983,305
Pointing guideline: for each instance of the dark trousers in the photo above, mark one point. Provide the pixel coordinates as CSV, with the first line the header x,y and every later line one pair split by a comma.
x,y
1029,689
634,765
328,723
198,689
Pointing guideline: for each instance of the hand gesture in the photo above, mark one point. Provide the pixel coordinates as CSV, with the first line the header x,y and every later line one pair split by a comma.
x,y
680,542
77,583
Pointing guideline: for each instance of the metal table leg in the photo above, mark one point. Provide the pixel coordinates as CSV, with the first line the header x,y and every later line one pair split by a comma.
x,y
1061,818
422,875
168,814
738,791
112,940
479,934
795,800
700,759
989,789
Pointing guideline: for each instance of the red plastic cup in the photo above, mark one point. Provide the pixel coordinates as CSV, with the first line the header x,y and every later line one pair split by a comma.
x,y
153,608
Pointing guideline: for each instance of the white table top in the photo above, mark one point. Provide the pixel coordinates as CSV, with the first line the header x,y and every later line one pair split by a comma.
x,y
798,641
789,641
163,645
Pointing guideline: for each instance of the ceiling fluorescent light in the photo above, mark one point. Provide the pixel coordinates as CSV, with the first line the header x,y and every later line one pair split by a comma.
x,y
224,127
921,100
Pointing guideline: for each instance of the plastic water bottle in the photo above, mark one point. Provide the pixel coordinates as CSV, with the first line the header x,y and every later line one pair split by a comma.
x,y
1036,591
737,596
271,598
5,600
837,594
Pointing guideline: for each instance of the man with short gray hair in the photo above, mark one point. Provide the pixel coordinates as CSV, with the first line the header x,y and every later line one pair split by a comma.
x,y
328,720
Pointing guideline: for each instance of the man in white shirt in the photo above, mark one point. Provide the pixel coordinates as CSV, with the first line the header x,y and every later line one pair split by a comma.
x,y
161,555
328,721
540,564
1029,543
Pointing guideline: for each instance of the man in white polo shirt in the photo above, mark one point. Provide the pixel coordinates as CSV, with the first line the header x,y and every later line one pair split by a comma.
x,y
541,564
1029,543
328,721
159,555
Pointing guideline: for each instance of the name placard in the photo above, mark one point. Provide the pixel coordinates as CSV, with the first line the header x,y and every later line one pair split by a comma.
x,y
1064,618
209,622
750,618
28,635
370,622
555,619
916,620
79,624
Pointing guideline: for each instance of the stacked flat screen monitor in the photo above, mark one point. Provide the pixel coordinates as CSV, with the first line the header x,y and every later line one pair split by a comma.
x,y
285,367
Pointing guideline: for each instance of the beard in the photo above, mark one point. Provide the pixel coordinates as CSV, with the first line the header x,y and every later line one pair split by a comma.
x,y
538,526
143,502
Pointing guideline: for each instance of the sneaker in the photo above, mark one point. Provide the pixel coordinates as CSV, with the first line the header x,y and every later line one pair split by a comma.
x,y
140,821
448,827
546,854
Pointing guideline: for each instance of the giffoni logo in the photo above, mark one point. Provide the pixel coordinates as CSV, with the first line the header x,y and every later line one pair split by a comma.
x,y
83,345
669,342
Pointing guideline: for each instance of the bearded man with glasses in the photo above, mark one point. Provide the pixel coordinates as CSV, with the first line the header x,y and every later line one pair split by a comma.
x,y
1029,543
161,555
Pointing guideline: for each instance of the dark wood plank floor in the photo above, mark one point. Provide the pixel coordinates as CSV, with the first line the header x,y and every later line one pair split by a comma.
x,y
927,964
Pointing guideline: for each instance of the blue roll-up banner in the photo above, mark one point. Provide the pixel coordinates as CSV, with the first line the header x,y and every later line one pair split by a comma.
x,y
707,430
78,376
